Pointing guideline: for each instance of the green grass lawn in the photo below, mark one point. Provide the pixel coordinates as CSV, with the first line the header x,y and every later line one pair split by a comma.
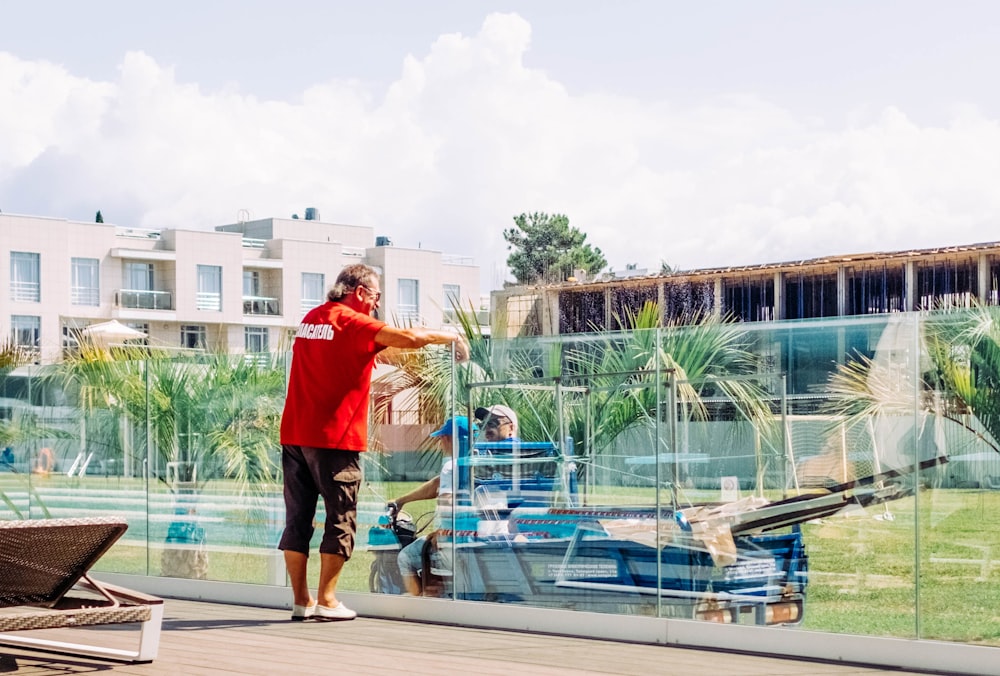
x,y
864,575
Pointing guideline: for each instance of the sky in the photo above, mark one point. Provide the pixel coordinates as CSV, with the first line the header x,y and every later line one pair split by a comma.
x,y
699,135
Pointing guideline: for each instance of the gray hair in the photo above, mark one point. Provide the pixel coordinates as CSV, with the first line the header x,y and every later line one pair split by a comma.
x,y
351,278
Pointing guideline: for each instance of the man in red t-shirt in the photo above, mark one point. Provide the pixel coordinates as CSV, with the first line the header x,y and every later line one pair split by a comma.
x,y
325,426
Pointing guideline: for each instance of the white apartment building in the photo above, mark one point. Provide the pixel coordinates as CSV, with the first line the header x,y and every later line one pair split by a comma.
x,y
242,287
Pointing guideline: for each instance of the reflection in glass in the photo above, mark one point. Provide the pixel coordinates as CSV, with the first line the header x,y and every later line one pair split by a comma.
x,y
788,475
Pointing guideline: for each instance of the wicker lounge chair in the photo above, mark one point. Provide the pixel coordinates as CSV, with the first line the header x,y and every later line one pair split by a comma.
x,y
44,585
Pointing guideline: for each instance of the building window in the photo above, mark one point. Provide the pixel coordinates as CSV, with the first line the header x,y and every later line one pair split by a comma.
x,y
26,330
452,296
25,277
408,307
70,338
947,283
251,283
452,300
749,299
139,326
875,289
139,276
810,296
312,290
194,336
85,283
256,338
209,287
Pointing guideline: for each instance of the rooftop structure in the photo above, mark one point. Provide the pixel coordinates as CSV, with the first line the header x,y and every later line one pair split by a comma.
x,y
830,286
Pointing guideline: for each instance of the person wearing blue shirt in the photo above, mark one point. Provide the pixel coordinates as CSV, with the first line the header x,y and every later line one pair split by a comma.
x,y
454,430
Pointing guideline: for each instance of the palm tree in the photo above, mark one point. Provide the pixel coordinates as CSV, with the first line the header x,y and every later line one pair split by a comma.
x,y
218,412
636,372
965,353
212,418
957,378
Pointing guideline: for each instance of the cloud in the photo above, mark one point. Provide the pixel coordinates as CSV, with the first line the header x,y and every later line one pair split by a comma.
x,y
468,136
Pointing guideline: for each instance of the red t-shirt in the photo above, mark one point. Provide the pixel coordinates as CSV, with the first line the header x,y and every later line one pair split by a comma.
x,y
330,379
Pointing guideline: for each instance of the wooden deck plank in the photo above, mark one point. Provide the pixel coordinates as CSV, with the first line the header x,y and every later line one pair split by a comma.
x,y
205,638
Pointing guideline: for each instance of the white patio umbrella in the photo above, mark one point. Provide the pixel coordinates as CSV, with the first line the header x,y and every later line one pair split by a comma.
x,y
111,332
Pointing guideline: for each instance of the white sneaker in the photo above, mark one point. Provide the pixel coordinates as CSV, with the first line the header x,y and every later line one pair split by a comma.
x,y
300,613
336,614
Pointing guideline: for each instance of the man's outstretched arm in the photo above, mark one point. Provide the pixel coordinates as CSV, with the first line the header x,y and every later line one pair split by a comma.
x,y
415,338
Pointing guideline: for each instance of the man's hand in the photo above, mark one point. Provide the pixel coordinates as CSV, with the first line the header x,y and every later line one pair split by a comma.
x,y
461,349
393,509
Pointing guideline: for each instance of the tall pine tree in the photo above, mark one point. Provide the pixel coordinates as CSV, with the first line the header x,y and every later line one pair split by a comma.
x,y
544,248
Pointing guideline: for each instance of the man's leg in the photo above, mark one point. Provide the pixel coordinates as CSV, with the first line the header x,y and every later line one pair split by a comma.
x,y
296,563
329,575
300,509
338,475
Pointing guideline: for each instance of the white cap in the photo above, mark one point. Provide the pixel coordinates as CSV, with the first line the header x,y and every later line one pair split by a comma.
x,y
498,411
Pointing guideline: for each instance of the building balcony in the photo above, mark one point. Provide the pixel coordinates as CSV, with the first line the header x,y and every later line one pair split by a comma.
x,y
260,305
144,300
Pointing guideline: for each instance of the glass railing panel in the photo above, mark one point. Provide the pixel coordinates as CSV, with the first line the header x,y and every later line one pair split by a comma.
x,y
260,305
717,453
73,450
851,447
751,450
215,507
144,300
958,525
24,432
373,567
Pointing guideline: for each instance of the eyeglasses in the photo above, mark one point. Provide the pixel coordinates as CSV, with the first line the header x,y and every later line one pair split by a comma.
x,y
497,422
376,294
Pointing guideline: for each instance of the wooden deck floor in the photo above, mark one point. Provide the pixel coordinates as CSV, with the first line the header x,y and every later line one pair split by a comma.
x,y
208,638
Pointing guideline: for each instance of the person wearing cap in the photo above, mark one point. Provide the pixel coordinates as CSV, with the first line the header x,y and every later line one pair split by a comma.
x,y
410,560
324,428
499,422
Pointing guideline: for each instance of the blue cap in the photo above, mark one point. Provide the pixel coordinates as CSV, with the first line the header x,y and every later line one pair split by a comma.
x,y
459,424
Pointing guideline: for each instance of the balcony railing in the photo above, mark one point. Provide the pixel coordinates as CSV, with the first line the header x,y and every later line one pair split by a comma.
x,y
26,292
85,295
260,305
208,300
144,300
451,316
309,303
409,314
138,233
